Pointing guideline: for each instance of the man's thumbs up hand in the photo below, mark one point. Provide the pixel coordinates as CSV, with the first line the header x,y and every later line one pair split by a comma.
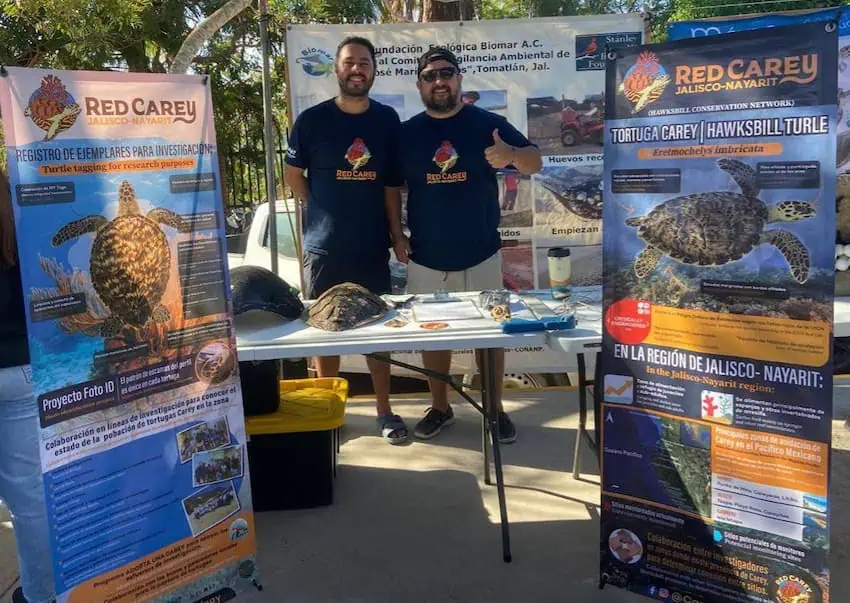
x,y
499,154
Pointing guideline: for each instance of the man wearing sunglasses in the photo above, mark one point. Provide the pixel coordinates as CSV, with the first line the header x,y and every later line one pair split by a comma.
x,y
347,145
450,156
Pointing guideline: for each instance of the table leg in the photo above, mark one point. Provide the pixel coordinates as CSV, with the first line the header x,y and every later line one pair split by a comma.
x,y
597,407
582,414
488,380
485,444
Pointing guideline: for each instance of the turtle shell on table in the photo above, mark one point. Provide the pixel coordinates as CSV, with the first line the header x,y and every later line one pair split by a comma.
x,y
346,306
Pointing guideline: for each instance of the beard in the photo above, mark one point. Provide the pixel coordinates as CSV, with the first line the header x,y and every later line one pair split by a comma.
x,y
348,89
442,104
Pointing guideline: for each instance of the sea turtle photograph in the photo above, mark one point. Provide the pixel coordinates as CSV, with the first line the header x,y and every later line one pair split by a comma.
x,y
130,260
666,253
720,227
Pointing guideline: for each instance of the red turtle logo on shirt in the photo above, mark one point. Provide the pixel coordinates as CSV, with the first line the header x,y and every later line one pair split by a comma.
x,y
358,154
446,156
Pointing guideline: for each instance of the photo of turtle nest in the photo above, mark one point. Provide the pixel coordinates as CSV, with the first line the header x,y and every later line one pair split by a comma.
x,y
762,266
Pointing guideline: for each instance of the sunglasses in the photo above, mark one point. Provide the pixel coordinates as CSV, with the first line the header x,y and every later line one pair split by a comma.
x,y
444,73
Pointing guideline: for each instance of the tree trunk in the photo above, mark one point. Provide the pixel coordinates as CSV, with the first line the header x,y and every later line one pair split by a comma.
x,y
204,31
459,10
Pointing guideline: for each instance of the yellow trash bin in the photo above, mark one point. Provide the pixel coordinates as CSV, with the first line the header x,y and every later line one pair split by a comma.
x,y
292,453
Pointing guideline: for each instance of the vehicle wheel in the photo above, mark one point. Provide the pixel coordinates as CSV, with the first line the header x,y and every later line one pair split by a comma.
x,y
523,381
569,138
510,381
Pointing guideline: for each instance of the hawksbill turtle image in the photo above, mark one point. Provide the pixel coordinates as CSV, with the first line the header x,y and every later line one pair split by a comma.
x,y
715,228
130,260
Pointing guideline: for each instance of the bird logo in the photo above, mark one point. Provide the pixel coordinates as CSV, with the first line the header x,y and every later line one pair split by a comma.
x,y
51,108
358,154
644,81
591,49
445,157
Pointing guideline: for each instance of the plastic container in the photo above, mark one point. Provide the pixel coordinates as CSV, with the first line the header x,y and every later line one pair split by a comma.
x,y
292,452
560,272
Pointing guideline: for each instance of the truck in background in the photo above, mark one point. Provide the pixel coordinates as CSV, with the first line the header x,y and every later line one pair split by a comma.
x,y
531,367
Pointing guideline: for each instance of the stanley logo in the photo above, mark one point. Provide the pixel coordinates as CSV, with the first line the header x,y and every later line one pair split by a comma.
x,y
740,74
139,111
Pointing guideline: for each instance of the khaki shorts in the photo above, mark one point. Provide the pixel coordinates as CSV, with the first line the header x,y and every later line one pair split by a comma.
x,y
484,276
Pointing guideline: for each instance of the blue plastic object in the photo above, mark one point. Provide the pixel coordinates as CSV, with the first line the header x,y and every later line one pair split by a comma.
x,y
560,323
521,325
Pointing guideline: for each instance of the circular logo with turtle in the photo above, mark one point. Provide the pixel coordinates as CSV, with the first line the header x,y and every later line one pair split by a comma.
x,y
645,81
214,363
51,108
238,529
358,154
316,62
625,546
445,157
791,589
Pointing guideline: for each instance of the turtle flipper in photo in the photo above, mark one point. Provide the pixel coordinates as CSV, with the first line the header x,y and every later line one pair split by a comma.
x,y
793,250
718,227
78,228
111,327
646,261
743,175
169,218
161,315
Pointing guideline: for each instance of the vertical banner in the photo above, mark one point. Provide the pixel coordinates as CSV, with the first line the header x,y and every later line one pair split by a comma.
x,y
118,210
718,309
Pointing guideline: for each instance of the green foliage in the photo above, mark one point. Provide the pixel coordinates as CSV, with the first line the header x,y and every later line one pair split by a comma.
x,y
327,11
145,35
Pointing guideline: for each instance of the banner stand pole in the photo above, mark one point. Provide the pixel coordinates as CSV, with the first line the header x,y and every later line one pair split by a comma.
x,y
268,133
297,206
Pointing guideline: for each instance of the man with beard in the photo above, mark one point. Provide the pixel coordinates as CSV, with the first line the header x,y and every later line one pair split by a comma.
x,y
450,156
347,145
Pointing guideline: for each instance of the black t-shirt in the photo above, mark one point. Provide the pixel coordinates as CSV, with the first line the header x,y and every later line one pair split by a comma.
x,y
349,159
453,196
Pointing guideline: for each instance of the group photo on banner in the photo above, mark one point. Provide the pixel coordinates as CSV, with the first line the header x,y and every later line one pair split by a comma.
x,y
717,298
117,205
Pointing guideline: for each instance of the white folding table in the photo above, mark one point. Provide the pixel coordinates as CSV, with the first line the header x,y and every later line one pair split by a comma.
x,y
262,336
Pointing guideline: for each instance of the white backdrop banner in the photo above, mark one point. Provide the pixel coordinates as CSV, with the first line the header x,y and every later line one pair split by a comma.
x,y
547,77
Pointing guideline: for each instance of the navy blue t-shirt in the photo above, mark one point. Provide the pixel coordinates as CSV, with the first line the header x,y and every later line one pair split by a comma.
x,y
349,159
453,196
